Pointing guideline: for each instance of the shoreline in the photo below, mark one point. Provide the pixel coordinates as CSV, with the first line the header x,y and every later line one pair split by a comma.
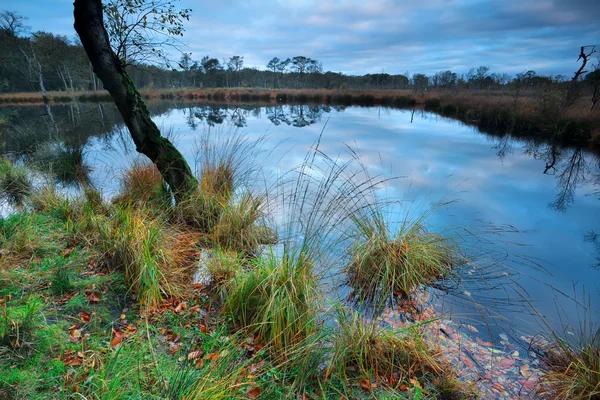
x,y
495,112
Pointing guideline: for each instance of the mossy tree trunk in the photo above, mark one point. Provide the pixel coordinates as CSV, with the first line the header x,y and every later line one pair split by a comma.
x,y
174,169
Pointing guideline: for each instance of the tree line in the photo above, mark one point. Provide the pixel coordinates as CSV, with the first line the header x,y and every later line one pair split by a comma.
x,y
40,61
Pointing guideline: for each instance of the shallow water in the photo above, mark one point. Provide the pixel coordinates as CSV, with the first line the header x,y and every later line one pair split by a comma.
x,y
544,198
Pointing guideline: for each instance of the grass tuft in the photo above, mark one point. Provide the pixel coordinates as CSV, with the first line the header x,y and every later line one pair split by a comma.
x,y
238,229
366,350
275,299
143,185
574,370
384,263
14,183
156,257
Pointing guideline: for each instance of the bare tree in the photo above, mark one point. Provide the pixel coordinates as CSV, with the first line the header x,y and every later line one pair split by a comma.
x,y
89,24
141,30
584,55
12,24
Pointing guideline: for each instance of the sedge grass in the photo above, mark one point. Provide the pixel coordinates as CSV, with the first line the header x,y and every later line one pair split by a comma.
x,y
367,350
14,183
385,263
142,185
572,358
277,299
154,255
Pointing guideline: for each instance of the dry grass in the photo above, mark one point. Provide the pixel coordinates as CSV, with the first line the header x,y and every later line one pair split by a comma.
x,y
574,370
143,185
395,358
238,228
158,259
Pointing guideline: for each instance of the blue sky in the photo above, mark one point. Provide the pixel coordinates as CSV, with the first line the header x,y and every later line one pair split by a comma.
x,y
368,36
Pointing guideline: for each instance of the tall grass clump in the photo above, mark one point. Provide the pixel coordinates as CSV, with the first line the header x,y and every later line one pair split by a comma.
x,y
223,168
142,185
572,359
393,357
156,257
239,229
64,162
14,183
366,350
384,263
277,299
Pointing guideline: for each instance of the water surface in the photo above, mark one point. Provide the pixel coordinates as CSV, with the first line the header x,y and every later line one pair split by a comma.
x,y
545,198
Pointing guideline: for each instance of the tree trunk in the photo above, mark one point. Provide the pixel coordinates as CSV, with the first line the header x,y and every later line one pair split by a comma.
x,y
144,132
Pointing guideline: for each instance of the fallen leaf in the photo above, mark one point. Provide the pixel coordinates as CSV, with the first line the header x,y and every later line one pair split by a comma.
x,y
94,297
403,387
253,392
203,328
194,354
116,341
213,356
123,316
85,316
366,384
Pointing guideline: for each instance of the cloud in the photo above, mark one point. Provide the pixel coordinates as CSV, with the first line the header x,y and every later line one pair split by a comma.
x,y
357,37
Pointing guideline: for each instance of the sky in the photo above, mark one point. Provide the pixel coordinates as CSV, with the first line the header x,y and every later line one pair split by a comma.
x,y
371,36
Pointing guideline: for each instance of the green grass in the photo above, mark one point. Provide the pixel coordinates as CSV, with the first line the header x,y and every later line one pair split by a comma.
x,y
153,255
385,263
14,183
367,355
239,228
277,299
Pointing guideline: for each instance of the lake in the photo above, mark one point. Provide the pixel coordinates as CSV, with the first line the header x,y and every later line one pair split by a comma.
x,y
534,203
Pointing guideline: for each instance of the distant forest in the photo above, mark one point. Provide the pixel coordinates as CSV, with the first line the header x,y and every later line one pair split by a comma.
x,y
29,62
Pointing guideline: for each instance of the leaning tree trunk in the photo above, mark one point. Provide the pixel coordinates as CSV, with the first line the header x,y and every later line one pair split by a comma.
x,y
144,132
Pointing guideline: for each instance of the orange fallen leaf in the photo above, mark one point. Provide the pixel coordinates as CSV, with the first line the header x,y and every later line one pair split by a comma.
x,y
203,328
73,362
253,392
85,316
94,297
116,341
403,387
365,384
213,356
